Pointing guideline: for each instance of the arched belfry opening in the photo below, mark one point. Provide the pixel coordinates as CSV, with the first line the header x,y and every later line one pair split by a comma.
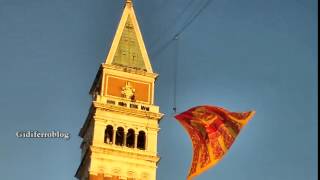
x,y
108,135
141,140
130,138
120,136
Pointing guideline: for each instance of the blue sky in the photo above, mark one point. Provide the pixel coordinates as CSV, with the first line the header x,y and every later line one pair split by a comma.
x,y
241,55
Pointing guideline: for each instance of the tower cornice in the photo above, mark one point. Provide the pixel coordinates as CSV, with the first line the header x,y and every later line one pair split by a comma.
x,y
127,111
130,70
123,152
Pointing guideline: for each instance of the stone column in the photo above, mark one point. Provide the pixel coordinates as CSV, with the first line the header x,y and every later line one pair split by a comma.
x,y
146,141
114,136
125,132
135,140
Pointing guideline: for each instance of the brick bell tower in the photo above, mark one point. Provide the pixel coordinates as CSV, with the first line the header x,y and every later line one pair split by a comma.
x,y
121,129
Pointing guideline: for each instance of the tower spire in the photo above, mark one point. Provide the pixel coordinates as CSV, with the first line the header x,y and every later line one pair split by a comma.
x,y
128,48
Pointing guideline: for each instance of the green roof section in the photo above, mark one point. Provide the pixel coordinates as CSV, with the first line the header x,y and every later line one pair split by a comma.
x,y
128,52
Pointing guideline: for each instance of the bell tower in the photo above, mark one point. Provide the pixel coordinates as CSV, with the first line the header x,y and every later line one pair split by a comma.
x,y
120,132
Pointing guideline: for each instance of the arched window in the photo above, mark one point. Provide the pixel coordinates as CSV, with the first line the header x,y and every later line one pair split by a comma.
x,y
130,138
145,176
141,140
115,174
120,136
108,135
131,175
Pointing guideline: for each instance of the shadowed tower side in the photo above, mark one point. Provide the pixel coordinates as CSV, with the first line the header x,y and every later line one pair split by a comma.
x,y
121,129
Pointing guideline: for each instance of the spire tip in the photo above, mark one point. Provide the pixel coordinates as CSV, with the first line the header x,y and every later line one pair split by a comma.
x,y
129,2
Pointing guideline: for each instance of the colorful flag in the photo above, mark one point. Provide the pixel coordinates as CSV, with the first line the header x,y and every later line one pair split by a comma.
x,y
212,131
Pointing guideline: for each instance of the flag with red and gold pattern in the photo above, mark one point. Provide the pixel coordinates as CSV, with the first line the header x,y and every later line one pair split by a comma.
x,y
212,130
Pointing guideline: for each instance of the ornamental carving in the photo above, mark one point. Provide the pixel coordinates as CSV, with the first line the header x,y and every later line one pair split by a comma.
x,y
128,91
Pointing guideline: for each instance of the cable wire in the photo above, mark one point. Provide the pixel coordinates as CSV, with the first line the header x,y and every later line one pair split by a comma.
x,y
176,61
155,43
184,27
